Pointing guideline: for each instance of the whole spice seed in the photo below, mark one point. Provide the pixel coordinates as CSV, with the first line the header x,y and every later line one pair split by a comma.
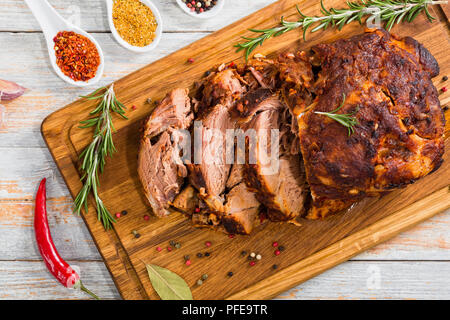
x,y
252,254
445,108
136,234
230,274
118,215
124,212
444,78
244,253
200,6
207,254
444,89
275,244
146,217
204,277
177,245
252,263
172,243
188,262
159,249
199,282
169,249
186,257
76,55
134,22
258,257
274,267
281,248
277,252
199,255
208,244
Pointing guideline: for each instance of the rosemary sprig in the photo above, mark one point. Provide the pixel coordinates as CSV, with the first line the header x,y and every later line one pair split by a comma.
x,y
346,119
93,157
389,11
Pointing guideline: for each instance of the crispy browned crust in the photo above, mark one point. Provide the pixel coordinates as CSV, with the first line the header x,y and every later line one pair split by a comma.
x,y
399,137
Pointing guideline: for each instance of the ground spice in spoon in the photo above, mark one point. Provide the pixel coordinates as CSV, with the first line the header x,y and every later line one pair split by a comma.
x,y
134,22
76,55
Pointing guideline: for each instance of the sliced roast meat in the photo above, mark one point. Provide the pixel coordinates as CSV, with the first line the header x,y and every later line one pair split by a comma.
x,y
160,168
159,173
262,73
279,182
256,101
187,200
240,210
222,87
210,170
174,111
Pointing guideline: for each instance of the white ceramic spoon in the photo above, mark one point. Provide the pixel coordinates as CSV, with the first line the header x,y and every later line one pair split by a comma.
x,y
123,43
51,23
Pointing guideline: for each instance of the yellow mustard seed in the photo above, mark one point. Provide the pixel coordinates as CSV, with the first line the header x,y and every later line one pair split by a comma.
x,y
134,22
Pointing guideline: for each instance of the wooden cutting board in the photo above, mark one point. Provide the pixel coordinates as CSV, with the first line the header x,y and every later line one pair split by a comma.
x,y
310,249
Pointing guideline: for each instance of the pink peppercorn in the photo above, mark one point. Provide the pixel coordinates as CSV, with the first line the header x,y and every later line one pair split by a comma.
x,y
192,9
252,263
169,249
231,236
193,2
146,218
208,243
277,252
444,89
275,244
197,210
159,249
201,10
188,262
118,215
190,60
133,107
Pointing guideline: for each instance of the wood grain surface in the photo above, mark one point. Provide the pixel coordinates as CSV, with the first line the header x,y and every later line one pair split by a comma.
x,y
313,248
413,265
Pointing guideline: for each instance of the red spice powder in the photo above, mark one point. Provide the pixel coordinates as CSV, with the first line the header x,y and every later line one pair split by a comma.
x,y
76,55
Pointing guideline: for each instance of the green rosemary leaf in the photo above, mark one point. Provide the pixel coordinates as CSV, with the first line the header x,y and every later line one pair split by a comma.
x,y
390,11
93,157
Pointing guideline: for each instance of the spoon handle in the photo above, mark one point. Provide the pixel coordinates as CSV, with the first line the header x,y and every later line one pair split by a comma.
x,y
49,20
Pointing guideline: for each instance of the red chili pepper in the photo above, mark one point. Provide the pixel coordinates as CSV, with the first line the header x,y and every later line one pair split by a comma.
x,y
55,264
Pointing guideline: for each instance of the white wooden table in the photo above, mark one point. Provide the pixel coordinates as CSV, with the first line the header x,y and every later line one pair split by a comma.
x,y
414,265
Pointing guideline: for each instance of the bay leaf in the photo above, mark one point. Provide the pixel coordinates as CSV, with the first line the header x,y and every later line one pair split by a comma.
x,y
168,284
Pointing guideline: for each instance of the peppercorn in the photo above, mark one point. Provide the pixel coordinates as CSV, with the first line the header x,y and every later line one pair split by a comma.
x,y
186,257
249,258
199,255
172,243
197,210
252,254
230,274
207,254
188,262
244,253
118,215
445,108
169,249
136,234
275,244
204,277
199,282
444,89
277,252
158,249
177,245
274,267
444,78
258,257
190,60
231,236
252,263
281,248
124,212
208,244
207,73
146,218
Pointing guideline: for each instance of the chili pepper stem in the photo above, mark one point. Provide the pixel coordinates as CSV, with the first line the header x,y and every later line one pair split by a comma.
x,y
80,286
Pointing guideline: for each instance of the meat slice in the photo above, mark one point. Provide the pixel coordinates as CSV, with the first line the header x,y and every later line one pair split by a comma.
x,y
278,181
241,210
187,200
174,111
387,84
255,101
160,168
210,170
